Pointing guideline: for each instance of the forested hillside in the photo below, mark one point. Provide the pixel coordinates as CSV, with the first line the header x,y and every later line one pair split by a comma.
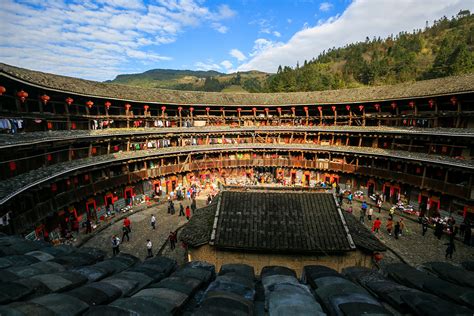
x,y
444,49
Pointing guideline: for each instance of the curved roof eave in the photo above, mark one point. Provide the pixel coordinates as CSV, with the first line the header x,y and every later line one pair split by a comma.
x,y
86,88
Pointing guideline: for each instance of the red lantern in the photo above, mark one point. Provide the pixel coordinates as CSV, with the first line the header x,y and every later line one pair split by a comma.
x,y
293,110
393,105
267,110
333,108
86,177
411,104
49,157
54,187
127,107
94,150
2,90
89,104
191,109
107,105
222,109
239,110
50,125
69,100
116,148
377,106
22,95
378,257
207,110
305,109
454,100
12,165
431,103
73,125
180,109
146,107
254,111
163,108
279,111
320,108
45,98
348,108
361,108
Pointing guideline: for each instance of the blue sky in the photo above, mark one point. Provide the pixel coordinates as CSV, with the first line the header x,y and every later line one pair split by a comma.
x,y
99,39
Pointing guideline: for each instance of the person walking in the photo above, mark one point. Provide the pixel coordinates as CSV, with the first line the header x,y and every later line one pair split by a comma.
x,y
369,213
88,226
389,226
127,223
376,225
181,209
424,225
379,204
402,225
149,247
349,198
193,205
188,213
125,233
153,221
450,249
115,245
391,213
171,238
397,230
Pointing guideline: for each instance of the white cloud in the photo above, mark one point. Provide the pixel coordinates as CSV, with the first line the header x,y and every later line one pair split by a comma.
x,y
362,18
208,65
98,39
277,34
219,28
237,54
325,6
227,65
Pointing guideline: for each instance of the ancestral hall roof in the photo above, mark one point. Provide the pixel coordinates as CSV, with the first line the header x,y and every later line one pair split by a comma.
x,y
285,221
410,90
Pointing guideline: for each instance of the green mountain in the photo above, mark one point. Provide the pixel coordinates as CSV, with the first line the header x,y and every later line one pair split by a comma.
x,y
250,81
443,49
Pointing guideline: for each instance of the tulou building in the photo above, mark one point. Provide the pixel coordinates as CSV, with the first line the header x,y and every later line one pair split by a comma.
x,y
274,239
72,149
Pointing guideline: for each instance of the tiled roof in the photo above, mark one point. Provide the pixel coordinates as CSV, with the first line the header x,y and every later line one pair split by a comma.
x,y
292,222
362,237
198,230
409,90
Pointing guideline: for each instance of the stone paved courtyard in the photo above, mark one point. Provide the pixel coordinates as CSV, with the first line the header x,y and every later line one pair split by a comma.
x,y
414,248
142,230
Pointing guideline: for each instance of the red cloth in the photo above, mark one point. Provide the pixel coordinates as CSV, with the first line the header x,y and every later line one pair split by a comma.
x,y
126,222
188,211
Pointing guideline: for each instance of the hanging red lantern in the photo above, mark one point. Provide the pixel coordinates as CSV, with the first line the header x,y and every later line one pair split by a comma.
x,y
69,100
320,108
89,104
377,106
127,107
94,150
73,125
22,95
49,157
293,110
431,103
333,108
146,107
361,108
239,110
50,125
222,110
279,111
2,90
163,108
207,110
12,165
180,109
411,104
306,110
116,148
393,105
267,110
348,108
454,100
191,109
378,257
107,105
45,98
86,177
254,111
54,187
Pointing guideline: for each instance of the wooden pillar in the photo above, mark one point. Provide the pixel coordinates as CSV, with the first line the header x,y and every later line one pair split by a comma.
x,y
108,147
458,119
423,177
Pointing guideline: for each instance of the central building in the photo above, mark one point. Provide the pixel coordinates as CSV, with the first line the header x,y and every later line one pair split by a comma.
x,y
271,226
